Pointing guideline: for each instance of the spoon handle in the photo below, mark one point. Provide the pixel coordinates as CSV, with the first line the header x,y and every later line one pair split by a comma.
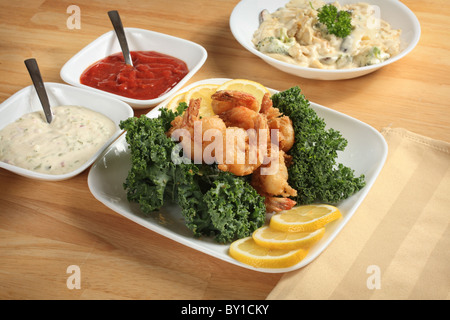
x,y
118,27
36,77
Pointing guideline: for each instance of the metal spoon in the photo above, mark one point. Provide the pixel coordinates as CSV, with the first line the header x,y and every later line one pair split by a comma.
x,y
120,33
35,75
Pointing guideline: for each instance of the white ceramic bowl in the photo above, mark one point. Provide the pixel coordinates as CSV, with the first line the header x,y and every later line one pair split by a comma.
x,y
26,101
244,21
191,53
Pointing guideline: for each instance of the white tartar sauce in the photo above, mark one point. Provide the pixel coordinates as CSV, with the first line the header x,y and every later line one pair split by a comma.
x,y
72,138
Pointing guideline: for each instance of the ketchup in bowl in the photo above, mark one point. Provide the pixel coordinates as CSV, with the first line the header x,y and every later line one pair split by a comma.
x,y
152,74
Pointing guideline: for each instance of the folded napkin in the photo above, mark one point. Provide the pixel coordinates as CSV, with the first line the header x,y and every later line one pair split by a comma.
x,y
397,244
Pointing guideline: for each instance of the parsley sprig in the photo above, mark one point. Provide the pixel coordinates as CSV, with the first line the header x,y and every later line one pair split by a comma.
x,y
337,22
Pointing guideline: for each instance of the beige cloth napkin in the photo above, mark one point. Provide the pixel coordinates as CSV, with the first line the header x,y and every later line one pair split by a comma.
x,y
397,244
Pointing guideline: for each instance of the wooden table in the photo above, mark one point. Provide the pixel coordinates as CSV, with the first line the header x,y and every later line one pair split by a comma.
x,y
45,227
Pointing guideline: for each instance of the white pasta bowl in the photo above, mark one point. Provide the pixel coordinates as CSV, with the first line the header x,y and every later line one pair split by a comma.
x,y
26,101
244,21
191,53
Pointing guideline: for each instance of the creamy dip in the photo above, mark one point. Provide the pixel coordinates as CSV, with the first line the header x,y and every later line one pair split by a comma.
x,y
294,34
72,138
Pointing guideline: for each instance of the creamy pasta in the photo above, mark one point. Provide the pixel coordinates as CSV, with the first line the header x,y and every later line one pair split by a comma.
x,y
294,34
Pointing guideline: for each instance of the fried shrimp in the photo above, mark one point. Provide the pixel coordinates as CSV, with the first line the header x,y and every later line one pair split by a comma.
x,y
247,131
271,181
247,119
197,134
244,118
243,142
225,100
276,120
242,155
277,204
209,140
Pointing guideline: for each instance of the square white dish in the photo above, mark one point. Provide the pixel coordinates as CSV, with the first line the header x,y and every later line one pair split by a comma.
x,y
366,153
191,53
244,21
26,101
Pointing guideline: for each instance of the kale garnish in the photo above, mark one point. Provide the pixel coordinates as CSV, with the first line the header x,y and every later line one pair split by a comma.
x,y
314,171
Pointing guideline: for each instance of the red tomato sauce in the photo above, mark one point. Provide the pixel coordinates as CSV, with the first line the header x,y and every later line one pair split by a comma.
x,y
152,74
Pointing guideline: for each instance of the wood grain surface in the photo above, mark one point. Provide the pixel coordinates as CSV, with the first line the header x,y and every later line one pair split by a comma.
x,y
45,227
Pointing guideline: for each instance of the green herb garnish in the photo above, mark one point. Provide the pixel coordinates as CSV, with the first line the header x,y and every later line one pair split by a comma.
x,y
337,22
314,172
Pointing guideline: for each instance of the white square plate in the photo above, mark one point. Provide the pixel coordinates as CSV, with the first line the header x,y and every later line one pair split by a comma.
x,y
366,153
26,101
191,53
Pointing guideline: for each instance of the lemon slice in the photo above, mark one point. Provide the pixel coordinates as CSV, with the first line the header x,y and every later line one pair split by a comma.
x,y
203,91
275,239
175,101
247,251
304,218
248,86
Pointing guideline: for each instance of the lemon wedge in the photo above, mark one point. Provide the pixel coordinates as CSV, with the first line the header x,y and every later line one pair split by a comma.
x,y
175,101
274,239
305,218
247,251
203,91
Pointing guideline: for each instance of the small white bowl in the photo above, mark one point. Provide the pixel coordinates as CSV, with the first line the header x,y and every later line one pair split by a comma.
x,y
26,101
244,21
191,53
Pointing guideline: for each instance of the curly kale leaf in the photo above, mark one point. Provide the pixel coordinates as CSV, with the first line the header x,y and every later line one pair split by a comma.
x,y
314,172
219,204
235,208
337,22
150,162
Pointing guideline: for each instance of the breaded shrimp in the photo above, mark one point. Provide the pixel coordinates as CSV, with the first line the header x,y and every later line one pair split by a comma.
x,y
277,204
271,181
235,151
277,121
225,100
196,143
242,155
